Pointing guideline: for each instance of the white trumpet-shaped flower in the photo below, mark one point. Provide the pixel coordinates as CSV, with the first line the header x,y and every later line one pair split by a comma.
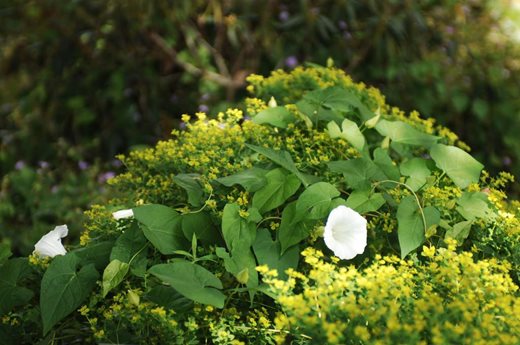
x,y
122,214
345,232
50,244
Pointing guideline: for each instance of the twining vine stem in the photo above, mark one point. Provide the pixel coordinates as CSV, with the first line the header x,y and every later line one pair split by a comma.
x,y
376,184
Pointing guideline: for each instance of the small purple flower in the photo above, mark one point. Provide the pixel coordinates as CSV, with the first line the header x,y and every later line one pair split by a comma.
x,y
203,108
342,25
283,16
291,61
43,164
507,161
204,97
183,125
116,163
450,30
347,35
19,165
104,177
83,165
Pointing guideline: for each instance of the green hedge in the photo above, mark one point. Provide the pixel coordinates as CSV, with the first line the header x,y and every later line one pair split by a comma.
x,y
241,230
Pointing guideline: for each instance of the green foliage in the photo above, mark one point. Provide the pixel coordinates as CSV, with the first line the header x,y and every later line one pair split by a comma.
x,y
280,186
119,76
11,294
64,286
227,195
161,225
192,281
466,171
114,274
34,199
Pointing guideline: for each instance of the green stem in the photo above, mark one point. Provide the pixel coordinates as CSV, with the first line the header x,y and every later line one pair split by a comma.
x,y
265,219
138,252
413,193
203,206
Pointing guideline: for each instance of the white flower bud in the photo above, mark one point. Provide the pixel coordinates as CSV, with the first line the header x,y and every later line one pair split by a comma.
x,y
123,214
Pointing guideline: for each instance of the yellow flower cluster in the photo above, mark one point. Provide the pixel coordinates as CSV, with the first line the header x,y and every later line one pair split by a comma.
x,y
290,87
446,300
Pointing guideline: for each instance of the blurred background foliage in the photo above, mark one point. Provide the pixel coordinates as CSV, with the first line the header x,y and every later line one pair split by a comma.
x,y
84,80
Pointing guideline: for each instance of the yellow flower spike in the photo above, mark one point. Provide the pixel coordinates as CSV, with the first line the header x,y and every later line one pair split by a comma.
x,y
185,118
428,252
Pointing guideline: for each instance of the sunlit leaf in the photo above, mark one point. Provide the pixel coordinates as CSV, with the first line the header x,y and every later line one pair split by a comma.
x,y
472,205
359,172
276,116
162,227
404,133
384,162
314,202
113,275
418,172
238,232
363,201
189,182
459,165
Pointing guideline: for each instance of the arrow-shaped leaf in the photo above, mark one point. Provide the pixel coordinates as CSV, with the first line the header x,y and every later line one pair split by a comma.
x,y
162,227
280,186
64,287
282,158
192,281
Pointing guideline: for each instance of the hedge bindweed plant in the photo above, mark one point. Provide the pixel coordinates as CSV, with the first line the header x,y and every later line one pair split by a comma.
x,y
176,259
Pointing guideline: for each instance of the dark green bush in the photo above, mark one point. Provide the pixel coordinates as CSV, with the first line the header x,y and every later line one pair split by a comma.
x,y
86,79
107,76
35,199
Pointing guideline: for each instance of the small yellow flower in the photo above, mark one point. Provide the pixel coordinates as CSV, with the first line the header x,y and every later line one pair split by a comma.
x,y
428,252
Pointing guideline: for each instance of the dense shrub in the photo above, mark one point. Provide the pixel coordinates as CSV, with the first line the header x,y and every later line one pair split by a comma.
x,y
32,199
229,194
85,80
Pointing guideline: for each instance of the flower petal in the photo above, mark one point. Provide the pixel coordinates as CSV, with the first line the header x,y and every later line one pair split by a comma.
x,y
122,214
345,232
50,243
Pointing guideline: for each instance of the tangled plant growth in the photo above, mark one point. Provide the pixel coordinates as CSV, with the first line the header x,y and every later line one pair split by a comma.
x,y
203,246
91,80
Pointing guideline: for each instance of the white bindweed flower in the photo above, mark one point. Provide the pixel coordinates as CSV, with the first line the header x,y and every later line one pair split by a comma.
x,y
50,244
345,232
122,214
